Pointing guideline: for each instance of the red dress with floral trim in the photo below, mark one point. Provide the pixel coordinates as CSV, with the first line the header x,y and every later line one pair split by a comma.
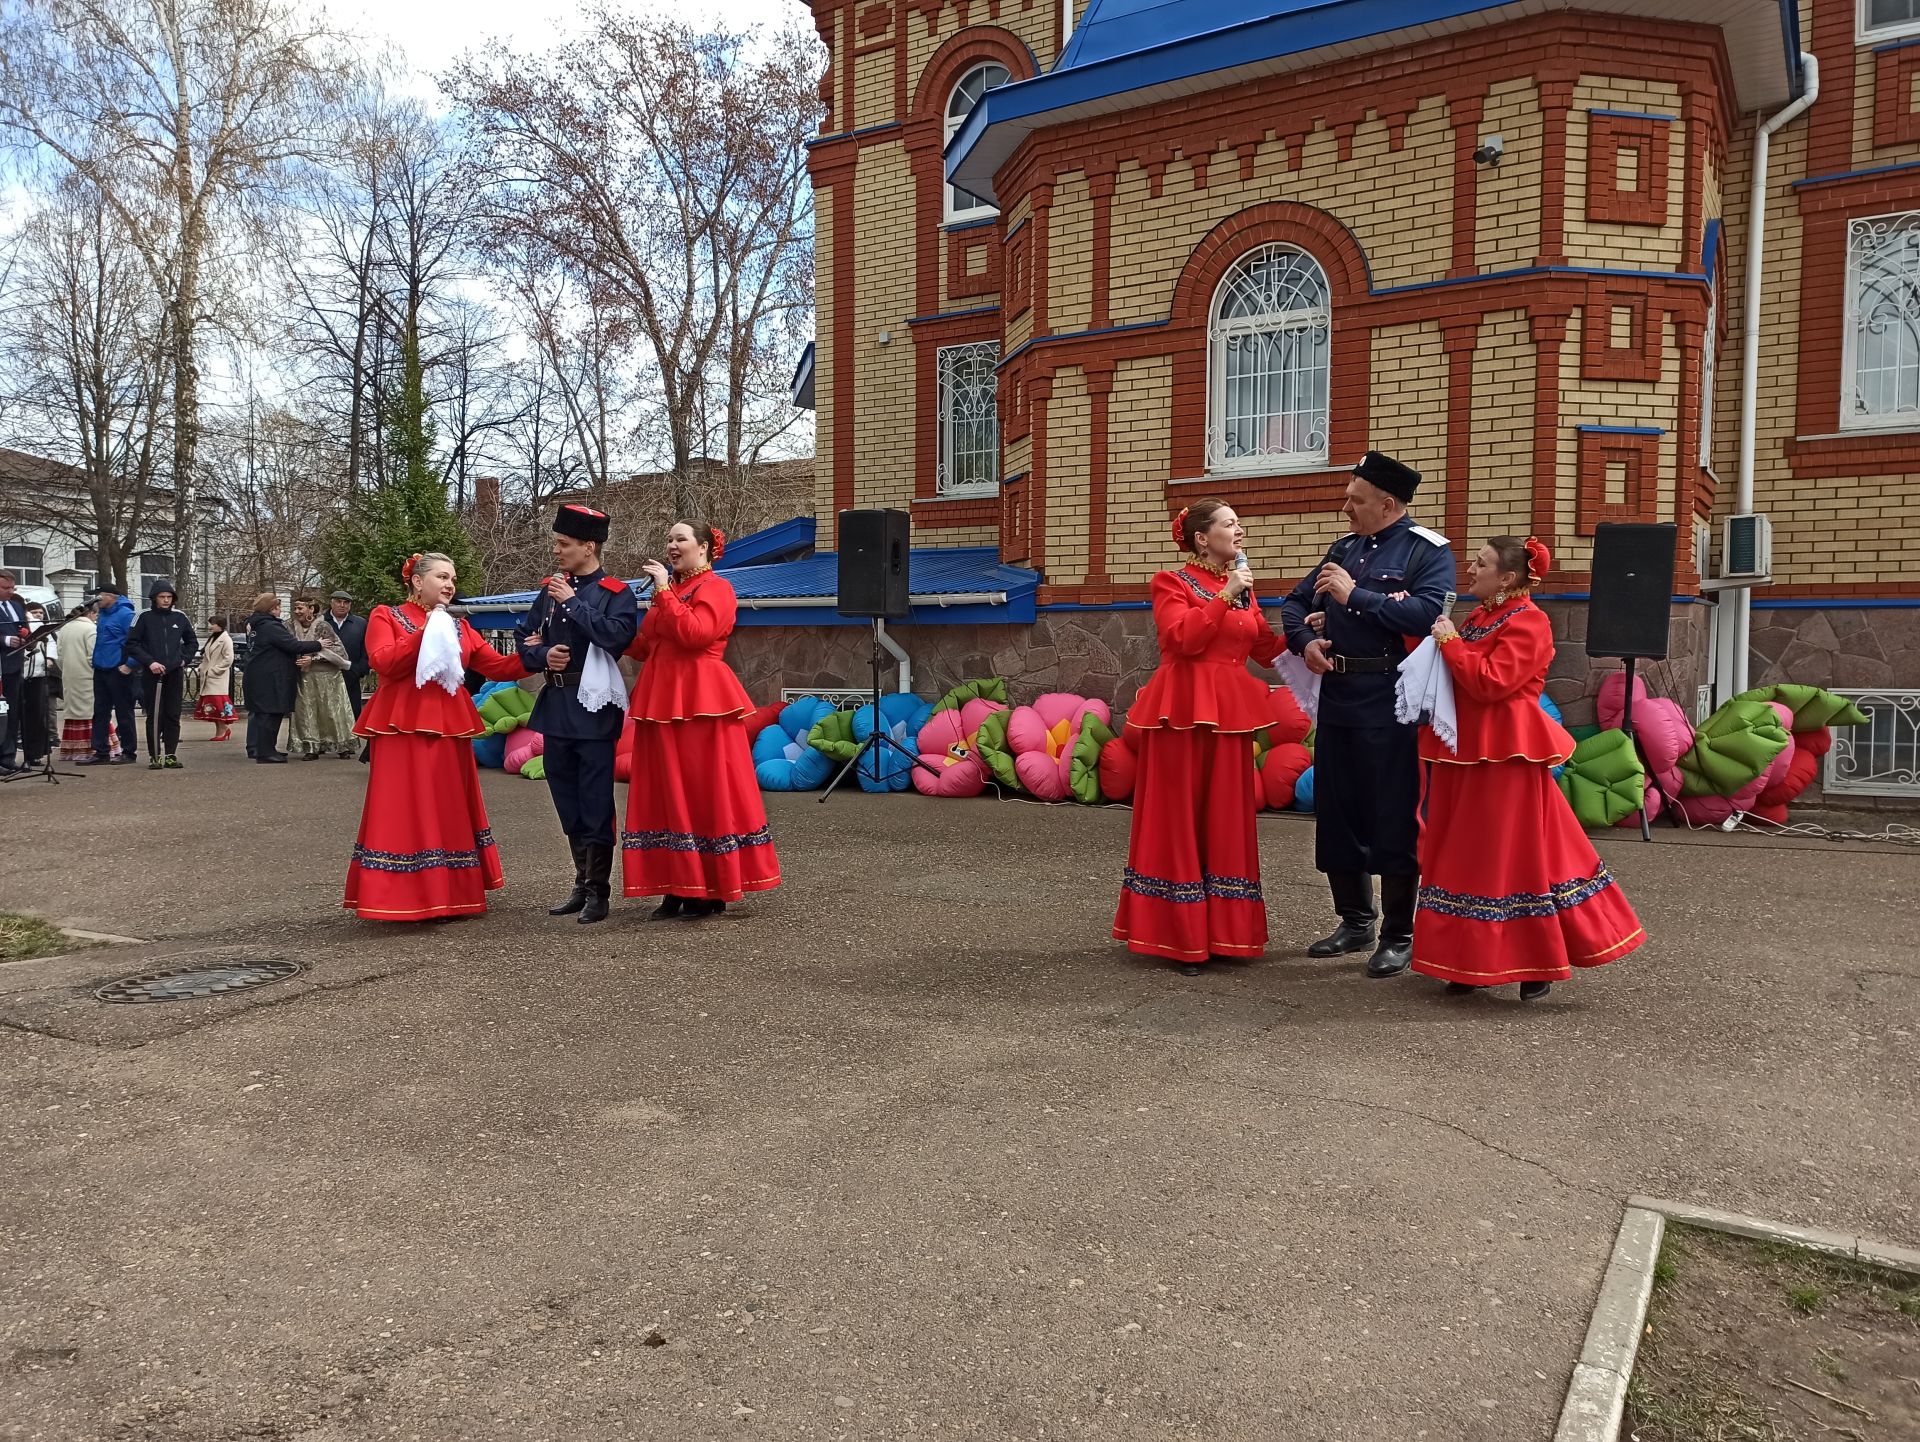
x,y
1510,887
425,849
696,826
1192,884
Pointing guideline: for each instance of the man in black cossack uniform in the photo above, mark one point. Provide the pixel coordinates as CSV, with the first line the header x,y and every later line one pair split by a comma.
x,y
1386,581
578,611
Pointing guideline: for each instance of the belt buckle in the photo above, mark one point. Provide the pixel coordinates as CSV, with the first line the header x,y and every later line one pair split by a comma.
x,y
1339,664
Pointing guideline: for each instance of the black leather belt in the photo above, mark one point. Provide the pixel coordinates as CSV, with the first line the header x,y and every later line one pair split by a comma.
x,y
1364,665
563,678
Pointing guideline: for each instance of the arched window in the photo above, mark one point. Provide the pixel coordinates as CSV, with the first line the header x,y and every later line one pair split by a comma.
x,y
1883,323
1269,359
964,204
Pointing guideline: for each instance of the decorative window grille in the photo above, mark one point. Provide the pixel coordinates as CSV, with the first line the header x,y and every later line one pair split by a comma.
x,y
29,563
969,420
1709,360
1881,758
1269,364
839,700
964,204
1883,323
1883,19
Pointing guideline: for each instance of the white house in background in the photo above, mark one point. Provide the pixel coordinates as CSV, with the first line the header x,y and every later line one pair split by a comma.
x,y
46,534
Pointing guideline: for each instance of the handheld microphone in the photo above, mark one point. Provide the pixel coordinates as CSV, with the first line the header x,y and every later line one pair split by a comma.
x,y
1239,559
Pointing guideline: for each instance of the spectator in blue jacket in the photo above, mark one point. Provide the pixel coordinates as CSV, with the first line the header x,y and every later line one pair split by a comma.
x,y
113,680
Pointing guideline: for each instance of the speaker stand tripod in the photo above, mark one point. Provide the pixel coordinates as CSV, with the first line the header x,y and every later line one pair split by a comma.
x,y
46,770
877,740
1626,725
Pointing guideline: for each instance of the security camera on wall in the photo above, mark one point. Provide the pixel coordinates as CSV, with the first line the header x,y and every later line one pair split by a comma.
x,y
1492,147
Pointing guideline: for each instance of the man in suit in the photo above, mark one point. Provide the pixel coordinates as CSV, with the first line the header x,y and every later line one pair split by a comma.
x,y
580,610
1385,581
352,631
13,665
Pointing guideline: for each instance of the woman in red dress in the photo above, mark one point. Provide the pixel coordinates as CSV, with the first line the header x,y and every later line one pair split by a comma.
x,y
424,850
1510,887
696,829
1192,887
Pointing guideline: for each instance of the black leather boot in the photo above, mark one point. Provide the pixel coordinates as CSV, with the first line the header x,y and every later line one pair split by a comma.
x,y
576,898
599,883
670,906
1534,990
1353,899
1398,895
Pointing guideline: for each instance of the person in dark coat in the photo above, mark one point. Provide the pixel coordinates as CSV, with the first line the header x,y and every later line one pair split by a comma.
x,y
352,631
160,647
1381,585
273,677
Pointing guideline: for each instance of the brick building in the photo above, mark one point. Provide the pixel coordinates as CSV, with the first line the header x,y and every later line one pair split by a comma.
x,y
1222,246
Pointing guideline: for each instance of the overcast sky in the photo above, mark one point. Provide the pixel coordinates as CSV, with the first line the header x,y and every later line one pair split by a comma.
x,y
432,33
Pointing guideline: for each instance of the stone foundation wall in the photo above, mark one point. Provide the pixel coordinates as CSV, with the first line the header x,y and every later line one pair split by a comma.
x,y
1849,649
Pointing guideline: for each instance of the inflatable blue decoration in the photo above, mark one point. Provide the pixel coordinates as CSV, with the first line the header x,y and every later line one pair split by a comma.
x,y
1546,705
1303,791
782,760
901,717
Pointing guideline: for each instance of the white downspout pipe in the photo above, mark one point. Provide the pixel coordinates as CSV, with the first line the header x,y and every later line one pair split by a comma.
x,y
895,650
1736,635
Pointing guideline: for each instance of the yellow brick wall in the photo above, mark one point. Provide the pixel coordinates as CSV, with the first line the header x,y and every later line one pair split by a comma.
x,y
1500,481
1068,415
1138,456
1397,203
1016,457
1865,154
873,87
1612,403
883,383
951,536
1070,255
1034,27
1409,409
1507,205
1630,247
825,461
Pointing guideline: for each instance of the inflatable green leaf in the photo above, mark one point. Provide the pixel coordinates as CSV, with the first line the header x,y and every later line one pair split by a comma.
x,y
1083,778
506,710
1812,707
1604,780
990,745
1732,747
991,689
534,768
833,736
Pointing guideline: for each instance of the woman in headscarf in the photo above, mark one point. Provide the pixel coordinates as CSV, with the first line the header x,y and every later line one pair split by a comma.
x,y
75,656
322,713
425,850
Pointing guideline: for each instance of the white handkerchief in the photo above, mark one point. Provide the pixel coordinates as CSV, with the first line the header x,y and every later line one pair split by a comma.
x,y
439,658
600,682
1302,682
1424,689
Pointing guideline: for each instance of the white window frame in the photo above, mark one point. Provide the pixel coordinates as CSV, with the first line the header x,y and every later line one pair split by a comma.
x,y
1907,420
147,577
37,571
1866,32
950,213
947,364
92,571
1221,334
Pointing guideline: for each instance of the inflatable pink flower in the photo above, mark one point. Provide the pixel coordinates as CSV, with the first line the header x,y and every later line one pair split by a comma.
x,y
522,746
947,743
1042,737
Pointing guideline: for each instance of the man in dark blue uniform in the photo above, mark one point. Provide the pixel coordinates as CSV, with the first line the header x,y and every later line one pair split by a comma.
x,y
1387,580
578,610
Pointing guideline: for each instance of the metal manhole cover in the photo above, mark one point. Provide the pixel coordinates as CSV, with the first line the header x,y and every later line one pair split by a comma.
x,y
190,983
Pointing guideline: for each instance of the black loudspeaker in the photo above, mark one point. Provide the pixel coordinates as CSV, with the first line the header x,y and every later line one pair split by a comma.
x,y
873,563
1632,590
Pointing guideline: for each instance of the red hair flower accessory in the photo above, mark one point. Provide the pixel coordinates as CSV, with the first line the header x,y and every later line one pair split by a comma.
x,y
717,542
406,568
1180,527
1539,561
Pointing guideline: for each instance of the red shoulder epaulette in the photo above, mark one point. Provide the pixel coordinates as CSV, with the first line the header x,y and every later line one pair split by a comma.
x,y
613,585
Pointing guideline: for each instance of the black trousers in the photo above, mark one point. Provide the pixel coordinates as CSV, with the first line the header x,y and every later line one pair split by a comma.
x,y
354,698
34,719
13,686
1366,800
580,777
263,732
160,697
113,705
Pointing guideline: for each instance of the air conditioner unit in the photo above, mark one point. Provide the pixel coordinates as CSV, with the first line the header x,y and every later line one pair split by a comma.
x,y
1746,553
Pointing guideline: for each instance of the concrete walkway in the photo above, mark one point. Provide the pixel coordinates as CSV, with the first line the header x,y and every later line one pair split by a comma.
x,y
906,1149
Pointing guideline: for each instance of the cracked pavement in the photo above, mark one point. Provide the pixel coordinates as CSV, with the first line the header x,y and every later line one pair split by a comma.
x,y
905,1149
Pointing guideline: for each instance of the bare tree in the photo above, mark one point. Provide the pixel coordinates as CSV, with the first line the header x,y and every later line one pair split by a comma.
x,y
272,470
179,115
662,168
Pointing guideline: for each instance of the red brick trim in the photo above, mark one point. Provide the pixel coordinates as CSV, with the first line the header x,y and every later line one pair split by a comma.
x,y
1042,262
1691,333
1016,534
1609,139
1830,123
932,513
1464,113
1895,121
1865,591
961,247
1039,392
1639,358
1556,100
1640,457
1549,328
843,347
1099,397
1695,138
1859,453
1017,297
959,53
1100,185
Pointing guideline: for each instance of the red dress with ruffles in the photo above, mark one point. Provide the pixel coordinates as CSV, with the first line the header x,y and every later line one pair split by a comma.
x,y
425,849
1510,887
696,826
1192,885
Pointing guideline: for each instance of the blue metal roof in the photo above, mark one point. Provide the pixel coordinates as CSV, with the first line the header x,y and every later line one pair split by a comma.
x,y
775,543
1155,49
